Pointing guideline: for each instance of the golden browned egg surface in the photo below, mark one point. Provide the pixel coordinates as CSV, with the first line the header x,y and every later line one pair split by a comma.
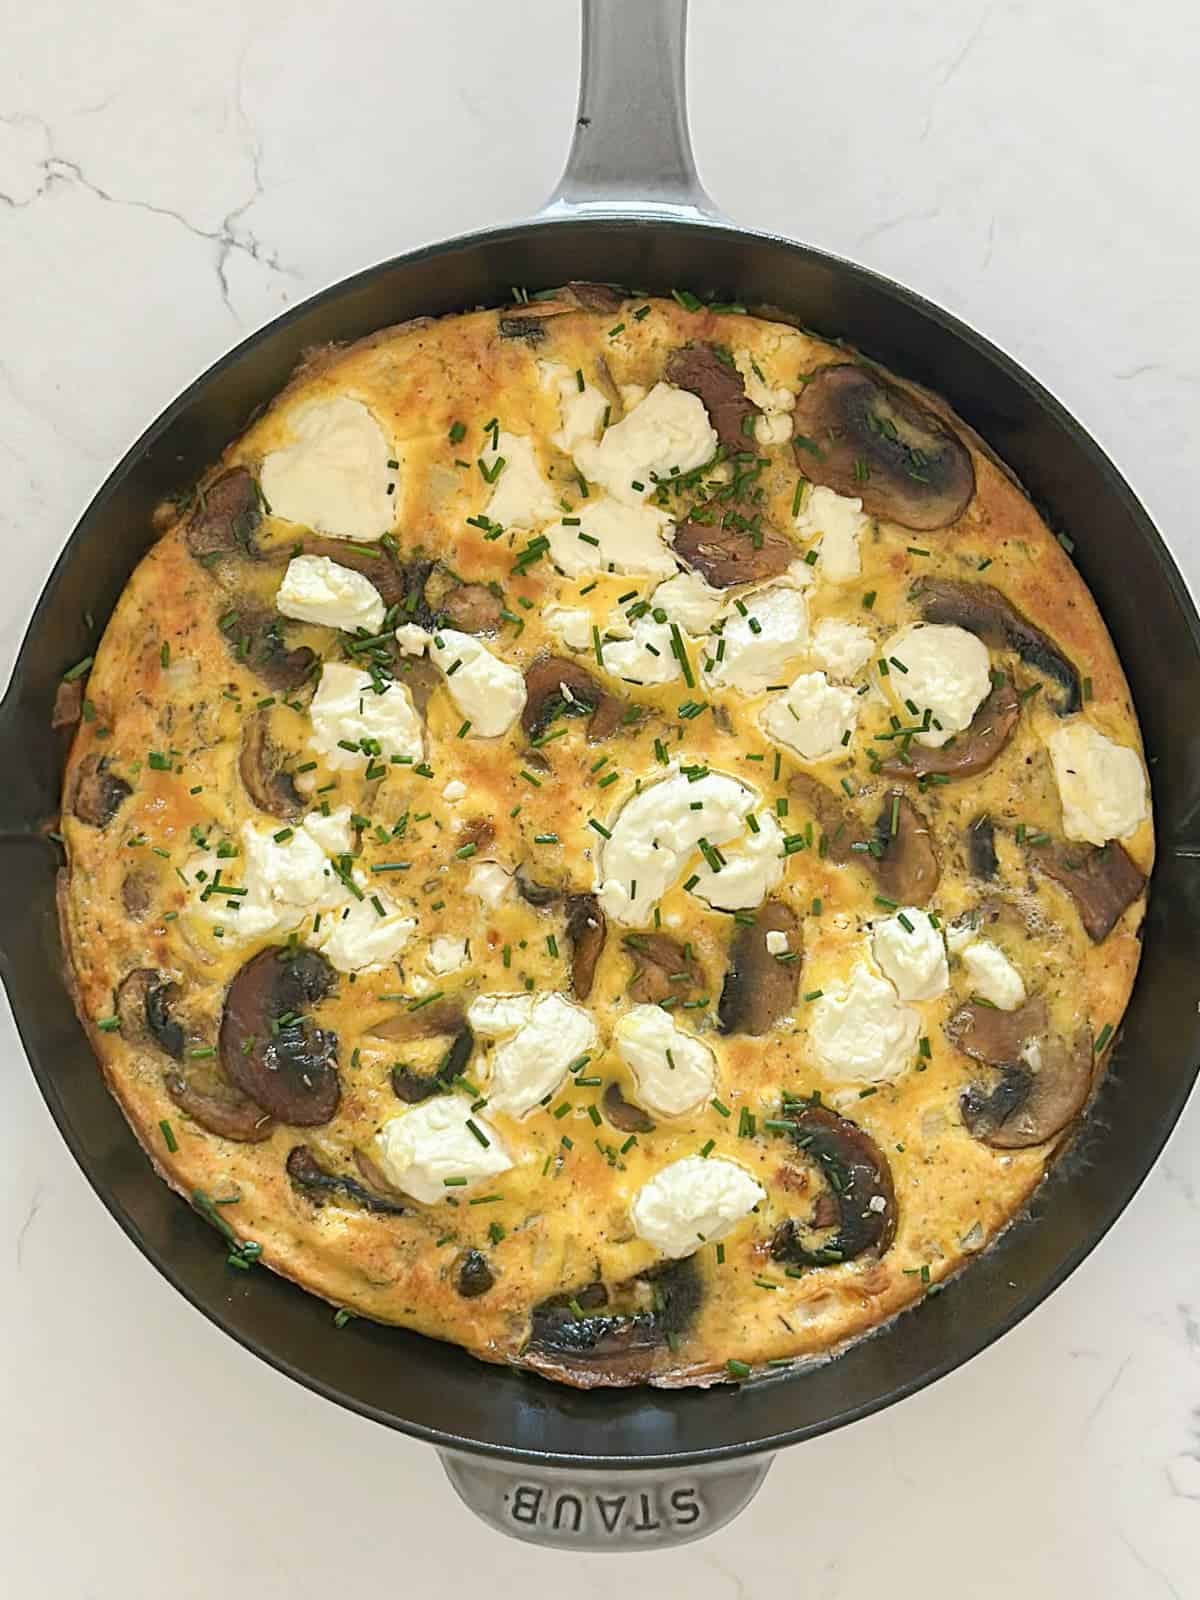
x,y
609,832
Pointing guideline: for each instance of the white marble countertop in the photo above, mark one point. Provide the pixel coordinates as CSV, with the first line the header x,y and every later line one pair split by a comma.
x,y
171,176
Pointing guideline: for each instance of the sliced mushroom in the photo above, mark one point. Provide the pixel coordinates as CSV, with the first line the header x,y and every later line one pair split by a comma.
x,y
622,1334
99,793
971,751
981,848
377,562
557,687
269,1049
663,969
725,542
1102,881
623,1115
1045,1079
708,371
904,861
840,830
534,893
595,296
420,677
996,1038
859,1180
412,1086
759,987
307,1173
254,639
137,893
586,929
472,1274
528,323
473,608
68,704
226,516
984,611
266,780
860,435
144,998
441,1019
205,1096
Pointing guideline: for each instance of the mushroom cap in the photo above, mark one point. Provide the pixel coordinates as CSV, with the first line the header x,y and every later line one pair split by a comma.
x,y
759,988
984,611
709,372
288,1067
860,435
859,1178
971,751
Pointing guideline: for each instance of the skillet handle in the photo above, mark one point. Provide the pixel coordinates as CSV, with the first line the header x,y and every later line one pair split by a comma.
x,y
632,151
614,1511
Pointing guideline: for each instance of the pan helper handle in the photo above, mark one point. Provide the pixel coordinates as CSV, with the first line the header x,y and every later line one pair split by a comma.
x,y
632,151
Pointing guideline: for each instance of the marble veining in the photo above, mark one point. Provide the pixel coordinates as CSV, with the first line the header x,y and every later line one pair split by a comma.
x,y
173,176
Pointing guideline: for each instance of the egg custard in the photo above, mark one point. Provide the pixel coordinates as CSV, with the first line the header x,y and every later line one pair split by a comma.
x,y
608,832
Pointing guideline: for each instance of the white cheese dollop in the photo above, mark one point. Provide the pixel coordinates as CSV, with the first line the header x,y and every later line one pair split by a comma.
x,y
446,954
842,649
1102,785
774,426
693,1202
412,639
347,707
763,634
333,475
286,879
690,601
675,1071
493,1015
522,498
841,522
571,625
992,975
531,1064
582,410
489,882
489,692
666,434
454,791
860,1032
814,717
611,535
316,589
421,1148
753,866
656,833
910,953
642,651
357,939
943,669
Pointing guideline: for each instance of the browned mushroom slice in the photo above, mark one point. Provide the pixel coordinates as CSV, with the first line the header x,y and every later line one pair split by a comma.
x,y
99,793
144,999
1033,1102
440,1019
137,893
412,1086
1102,880
859,435
859,1180
534,893
623,1114
473,608
663,969
204,1095
760,987
226,516
472,1274
595,296
842,838
903,859
395,581
725,542
708,371
309,1176
981,848
254,639
586,929
557,687
995,1037
265,779
984,611
596,1337
269,1049
969,752
420,677
68,703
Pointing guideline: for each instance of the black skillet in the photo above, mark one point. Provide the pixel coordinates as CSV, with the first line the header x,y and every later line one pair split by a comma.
x,y
628,1469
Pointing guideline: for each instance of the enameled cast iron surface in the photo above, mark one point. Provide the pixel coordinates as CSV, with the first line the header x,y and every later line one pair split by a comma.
x,y
437,1392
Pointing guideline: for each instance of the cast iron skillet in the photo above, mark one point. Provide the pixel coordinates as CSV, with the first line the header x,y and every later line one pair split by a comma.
x,y
621,1469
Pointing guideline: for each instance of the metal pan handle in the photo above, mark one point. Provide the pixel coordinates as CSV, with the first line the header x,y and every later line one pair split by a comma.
x,y
632,151
614,1511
